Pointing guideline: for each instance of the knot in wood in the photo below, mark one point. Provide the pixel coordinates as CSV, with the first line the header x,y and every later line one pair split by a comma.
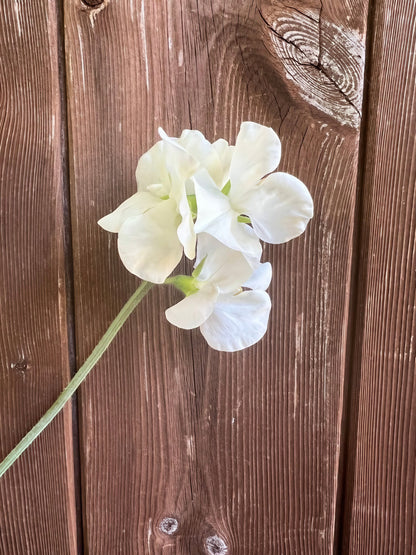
x,y
216,546
322,62
93,3
168,525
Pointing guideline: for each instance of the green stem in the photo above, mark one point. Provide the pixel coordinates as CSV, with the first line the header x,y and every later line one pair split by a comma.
x,y
79,377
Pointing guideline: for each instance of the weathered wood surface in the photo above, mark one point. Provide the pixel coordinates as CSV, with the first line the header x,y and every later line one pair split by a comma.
x,y
380,514
241,451
37,496
296,445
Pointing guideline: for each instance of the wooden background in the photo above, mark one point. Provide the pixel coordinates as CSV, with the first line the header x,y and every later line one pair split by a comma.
x,y
305,443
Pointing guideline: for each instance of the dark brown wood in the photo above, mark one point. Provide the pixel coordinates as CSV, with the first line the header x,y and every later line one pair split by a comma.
x,y
380,509
37,495
237,451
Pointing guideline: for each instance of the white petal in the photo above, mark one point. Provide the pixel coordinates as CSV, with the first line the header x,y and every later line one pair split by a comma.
x,y
207,155
167,164
224,267
180,166
216,217
257,153
225,153
212,157
163,135
237,236
261,277
186,231
280,208
151,169
148,244
192,311
211,203
158,190
133,206
237,321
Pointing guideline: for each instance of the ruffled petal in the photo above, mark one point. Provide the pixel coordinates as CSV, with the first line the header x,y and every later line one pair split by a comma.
x,y
207,155
256,153
192,311
133,206
216,217
237,321
280,208
261,277
224,267
167,164
225,153
148,244
181,165
151,169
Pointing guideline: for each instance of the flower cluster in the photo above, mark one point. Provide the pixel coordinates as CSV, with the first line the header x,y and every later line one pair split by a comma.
x,y
213,202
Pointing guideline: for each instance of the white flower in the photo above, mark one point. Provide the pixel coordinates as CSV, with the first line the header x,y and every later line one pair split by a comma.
x,y
278,206
156,225
229,318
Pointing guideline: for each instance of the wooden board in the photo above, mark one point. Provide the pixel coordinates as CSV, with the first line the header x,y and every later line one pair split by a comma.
x,y
239,451
37,496
380,514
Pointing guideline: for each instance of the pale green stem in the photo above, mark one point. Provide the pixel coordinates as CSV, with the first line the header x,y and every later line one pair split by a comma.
x,y
79,377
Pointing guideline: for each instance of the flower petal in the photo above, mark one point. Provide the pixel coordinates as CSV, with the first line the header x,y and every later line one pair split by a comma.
x,y
192,311
225,153
168,164
185,230
151,169
216,217
211,203
256,153
280,208
261,277
148,244
180,166
133,206
237,321
224,267
207,155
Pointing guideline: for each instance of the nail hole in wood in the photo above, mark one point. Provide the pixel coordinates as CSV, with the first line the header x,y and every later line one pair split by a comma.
x,y
168,525
216,546
21,366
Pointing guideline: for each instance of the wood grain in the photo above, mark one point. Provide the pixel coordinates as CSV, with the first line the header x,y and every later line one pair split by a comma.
x,y
381,485
37,495
185,450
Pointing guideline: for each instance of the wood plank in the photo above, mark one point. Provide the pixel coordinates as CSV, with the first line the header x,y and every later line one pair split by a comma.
x,y
241,450
37,494
381,485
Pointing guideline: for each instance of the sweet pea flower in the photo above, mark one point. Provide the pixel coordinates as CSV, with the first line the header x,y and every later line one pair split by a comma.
x,y
277,205
156,225
150,241
230,318
213,200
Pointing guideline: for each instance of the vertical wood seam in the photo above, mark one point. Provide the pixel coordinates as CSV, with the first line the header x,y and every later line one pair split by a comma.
x,y
68,262
352,378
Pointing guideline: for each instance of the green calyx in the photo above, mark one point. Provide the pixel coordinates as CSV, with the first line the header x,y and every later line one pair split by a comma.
x,y
244,219
226,189
198,269
187,284
192,205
